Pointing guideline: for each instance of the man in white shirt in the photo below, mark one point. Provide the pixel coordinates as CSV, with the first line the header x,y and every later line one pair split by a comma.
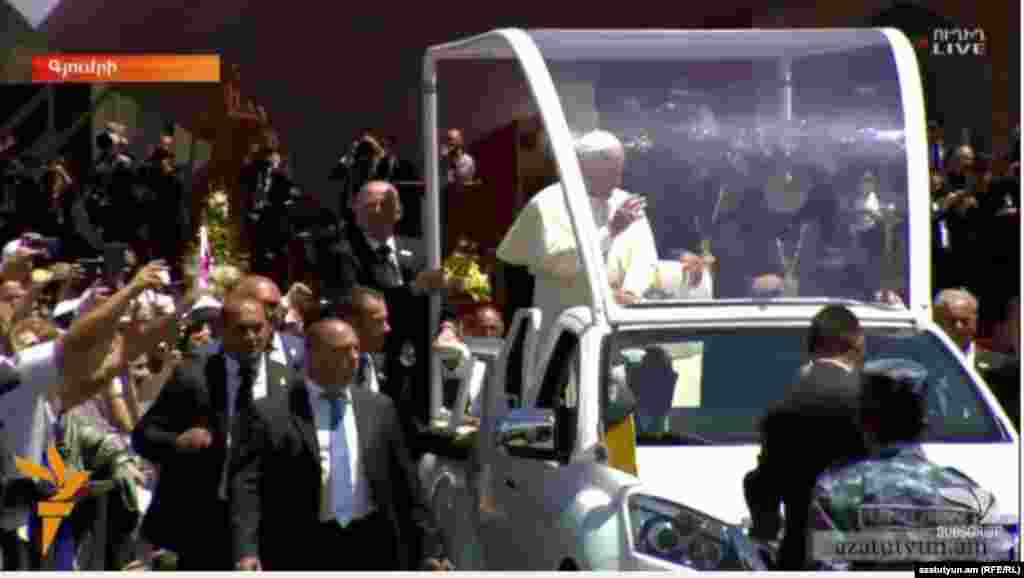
x,y
542,236
187,433
956,312
456,164
65,370
323,480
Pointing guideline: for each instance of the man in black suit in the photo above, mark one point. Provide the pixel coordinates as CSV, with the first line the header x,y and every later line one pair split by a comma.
x,y
956,312
337,454
823,403
271,192
186,434
371,255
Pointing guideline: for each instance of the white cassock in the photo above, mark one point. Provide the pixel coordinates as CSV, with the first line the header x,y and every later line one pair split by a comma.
x,y
542,239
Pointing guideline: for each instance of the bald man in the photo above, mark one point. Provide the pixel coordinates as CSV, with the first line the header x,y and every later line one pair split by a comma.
x,y
323,481
457,166
956,312
485,322
285,348
371,255
186,433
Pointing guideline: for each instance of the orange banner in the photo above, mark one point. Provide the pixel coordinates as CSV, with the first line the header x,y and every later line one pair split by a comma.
x,y
114,68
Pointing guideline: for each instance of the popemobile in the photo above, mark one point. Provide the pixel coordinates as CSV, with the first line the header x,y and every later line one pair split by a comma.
x,y
795,162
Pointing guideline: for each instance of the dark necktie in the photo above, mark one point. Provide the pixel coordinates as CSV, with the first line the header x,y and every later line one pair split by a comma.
x,y
391,276
247,373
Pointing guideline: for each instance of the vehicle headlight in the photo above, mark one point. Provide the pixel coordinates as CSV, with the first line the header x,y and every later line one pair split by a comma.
x,y
684,536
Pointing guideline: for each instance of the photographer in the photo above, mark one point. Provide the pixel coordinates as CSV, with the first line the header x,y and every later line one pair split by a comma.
x,y
16,184
363,162
115,188
958,214
272,192
166,214
456,163
59,211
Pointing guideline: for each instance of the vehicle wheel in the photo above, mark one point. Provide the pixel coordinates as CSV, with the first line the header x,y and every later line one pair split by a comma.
x,y
568,566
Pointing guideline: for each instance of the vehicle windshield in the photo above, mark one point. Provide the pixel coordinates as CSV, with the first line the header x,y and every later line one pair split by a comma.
x,y
711,388
782,154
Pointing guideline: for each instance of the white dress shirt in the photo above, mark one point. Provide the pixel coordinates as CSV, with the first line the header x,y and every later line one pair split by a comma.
x,y
542,239
390,242
971,354
24,415
370,379
361,501
277,353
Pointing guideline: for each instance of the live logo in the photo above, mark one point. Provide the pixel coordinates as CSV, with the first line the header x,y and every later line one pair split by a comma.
x,y
958,42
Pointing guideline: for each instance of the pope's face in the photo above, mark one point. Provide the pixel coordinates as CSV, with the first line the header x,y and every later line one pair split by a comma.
x,y
603,175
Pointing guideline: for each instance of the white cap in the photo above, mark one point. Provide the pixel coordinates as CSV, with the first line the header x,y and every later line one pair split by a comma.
x,y
598,144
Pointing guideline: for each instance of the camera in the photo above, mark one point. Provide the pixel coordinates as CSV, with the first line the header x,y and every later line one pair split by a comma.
x,y
364,150
93,267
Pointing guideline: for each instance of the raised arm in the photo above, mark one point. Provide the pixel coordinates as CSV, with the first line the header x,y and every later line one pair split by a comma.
x,y
83,349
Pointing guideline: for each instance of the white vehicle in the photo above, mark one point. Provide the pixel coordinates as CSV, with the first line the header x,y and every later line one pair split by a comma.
x,y
797,158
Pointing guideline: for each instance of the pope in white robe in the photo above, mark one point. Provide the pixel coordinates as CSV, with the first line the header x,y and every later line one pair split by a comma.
x,y
543,240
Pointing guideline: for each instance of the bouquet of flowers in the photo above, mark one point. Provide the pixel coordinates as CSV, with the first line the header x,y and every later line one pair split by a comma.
x,y
464,264
221,236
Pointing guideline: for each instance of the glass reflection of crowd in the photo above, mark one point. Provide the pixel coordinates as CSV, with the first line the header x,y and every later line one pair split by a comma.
x,y
828,246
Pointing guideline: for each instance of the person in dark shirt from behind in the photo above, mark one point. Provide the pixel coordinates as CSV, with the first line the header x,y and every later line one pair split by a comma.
x,y
822,404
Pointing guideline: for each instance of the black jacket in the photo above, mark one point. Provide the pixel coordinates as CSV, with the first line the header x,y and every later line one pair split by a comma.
x,y
276,481
195,396
352,262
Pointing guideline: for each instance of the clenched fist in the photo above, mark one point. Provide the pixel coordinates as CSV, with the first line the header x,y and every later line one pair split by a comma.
x,y
195,439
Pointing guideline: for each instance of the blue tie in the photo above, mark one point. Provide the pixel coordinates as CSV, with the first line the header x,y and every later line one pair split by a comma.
x,y
341,469
62,551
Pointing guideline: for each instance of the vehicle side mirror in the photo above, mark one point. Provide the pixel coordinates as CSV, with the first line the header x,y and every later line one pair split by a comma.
x,y
528,433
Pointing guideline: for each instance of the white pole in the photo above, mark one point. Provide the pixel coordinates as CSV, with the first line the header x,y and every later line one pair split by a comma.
x,y
431,217
786,89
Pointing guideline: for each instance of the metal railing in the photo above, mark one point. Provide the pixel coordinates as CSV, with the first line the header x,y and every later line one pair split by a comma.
x,y
50,142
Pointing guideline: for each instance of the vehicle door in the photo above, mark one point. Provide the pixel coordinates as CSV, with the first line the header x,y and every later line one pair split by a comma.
x,y
525,484
502,393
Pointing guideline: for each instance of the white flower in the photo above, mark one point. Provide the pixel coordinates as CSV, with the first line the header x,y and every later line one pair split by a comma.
x,y
218,202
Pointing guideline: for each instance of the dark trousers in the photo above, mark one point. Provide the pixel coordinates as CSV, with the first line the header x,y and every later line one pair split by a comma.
x,y
364,545
16,554
764,493
209,545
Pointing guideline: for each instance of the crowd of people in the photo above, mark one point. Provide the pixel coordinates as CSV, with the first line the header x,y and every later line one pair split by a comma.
x,y
218,425
169,398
